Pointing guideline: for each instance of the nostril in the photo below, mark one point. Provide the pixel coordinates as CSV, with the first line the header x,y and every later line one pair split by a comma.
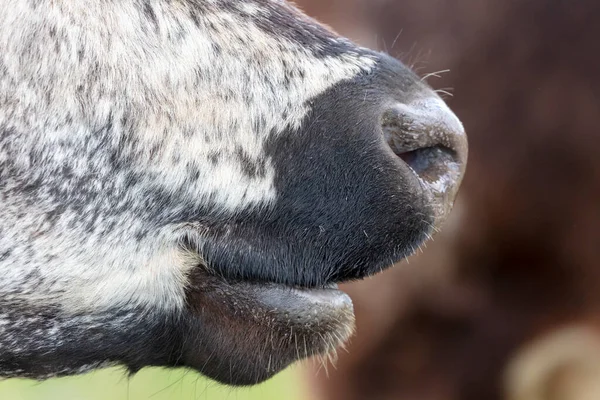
x,y
431,141
427,136
430,163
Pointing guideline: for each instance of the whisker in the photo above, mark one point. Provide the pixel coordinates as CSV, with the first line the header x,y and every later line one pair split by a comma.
x,y
396,39
436,74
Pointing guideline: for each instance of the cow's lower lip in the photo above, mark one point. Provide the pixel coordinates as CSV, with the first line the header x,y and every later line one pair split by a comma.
x,y
289,305
260,328
275,297
307,305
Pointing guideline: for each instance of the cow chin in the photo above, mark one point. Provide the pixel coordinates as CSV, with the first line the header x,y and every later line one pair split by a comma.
x,y
242,333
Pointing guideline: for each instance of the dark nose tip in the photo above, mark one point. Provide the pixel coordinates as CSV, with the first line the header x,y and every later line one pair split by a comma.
x,y
431,140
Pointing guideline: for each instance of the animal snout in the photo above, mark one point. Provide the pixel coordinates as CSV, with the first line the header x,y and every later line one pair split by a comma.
x,y
431,140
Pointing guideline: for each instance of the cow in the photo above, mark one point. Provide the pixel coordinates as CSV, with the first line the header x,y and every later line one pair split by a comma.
x,y
184,183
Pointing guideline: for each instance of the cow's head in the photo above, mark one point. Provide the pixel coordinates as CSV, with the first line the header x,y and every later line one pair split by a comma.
x,y
183,183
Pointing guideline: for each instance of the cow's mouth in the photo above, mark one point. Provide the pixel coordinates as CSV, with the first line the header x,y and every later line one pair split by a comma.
x,y
259,328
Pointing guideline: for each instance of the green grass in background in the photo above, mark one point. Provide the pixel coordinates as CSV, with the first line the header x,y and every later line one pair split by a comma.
x,y
149,384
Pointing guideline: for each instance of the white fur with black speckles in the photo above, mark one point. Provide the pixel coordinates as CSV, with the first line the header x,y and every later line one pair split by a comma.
x,y
177,95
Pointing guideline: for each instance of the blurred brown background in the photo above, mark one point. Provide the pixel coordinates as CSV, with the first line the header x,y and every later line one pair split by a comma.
x,y
505,303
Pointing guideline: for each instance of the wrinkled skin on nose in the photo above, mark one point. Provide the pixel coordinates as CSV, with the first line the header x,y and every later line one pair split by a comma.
x,y
432,141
